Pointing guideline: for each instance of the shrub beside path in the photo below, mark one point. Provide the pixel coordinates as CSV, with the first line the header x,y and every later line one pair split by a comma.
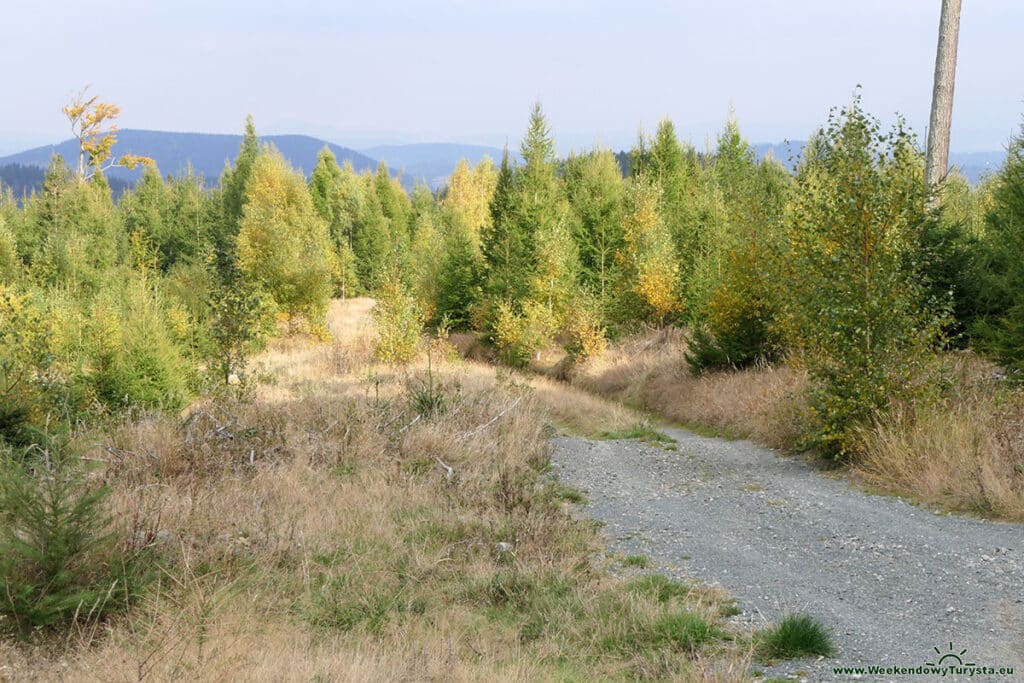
x,y
893,581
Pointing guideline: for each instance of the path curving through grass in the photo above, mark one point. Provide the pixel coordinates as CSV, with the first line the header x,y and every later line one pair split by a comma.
x,y
891,580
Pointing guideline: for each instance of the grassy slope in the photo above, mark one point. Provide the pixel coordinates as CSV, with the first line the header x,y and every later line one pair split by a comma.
x,y
313,534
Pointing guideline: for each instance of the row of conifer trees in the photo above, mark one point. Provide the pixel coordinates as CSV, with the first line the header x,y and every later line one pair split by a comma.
x,y
849,264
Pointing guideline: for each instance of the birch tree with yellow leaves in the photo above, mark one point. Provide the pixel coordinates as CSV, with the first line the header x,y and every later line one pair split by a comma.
x,y
648,272
852,302
92,124
283,245
469,194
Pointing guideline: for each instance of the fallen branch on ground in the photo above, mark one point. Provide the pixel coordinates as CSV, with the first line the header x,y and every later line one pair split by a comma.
x,y
472,432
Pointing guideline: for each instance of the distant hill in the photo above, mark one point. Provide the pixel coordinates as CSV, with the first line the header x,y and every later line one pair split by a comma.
x,y
973,165
431,162
976,165
25,179
22,179
207,153
786,153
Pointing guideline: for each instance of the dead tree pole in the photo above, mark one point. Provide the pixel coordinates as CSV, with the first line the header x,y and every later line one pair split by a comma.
x,y
941,118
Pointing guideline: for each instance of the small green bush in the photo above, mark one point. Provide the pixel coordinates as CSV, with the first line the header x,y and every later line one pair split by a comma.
x,y
136,360
57,562
25,366
797,635
10,265
738,348
399,318
640,561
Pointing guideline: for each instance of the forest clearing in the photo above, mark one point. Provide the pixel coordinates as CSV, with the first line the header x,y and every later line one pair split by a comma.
x,y
316,532
282,408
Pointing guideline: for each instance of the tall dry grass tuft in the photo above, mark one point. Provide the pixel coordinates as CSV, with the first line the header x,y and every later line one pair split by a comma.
x,y
964,452
649,371
329,529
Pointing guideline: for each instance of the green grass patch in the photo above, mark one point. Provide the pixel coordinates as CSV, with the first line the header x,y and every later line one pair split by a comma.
x,y
729,609
344,469
660,588
338,604
633,634
444,532
683,630
568,494
796,636
641,432
418,466
636,561
649,620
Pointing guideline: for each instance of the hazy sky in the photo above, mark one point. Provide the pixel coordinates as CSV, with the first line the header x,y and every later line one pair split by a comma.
x,y
361,73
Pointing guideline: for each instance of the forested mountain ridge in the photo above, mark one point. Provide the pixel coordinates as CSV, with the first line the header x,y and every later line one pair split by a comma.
x,y
25,179
206,152
429,163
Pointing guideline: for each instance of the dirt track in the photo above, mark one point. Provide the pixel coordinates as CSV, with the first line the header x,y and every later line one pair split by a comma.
x,y
892,581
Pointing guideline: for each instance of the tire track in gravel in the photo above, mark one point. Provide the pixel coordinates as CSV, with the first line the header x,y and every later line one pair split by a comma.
x,y
893,581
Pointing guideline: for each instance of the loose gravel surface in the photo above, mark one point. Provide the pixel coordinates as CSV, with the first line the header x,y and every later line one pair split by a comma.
x,y
893,581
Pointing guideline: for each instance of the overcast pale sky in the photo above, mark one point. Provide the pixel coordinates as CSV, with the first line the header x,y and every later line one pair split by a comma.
x,y
361,73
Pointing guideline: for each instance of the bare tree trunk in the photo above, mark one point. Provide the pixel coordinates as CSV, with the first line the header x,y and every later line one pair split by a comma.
x,y
937,164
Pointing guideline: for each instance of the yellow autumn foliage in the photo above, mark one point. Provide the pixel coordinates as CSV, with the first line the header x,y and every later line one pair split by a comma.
x,y
399,318
469,194
520,335
586,335
283,244
647,262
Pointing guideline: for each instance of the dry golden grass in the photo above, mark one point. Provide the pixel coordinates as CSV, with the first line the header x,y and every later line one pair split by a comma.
x,y
649,371
329,530
965,452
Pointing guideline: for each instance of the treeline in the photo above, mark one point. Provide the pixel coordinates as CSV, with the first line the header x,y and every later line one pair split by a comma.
x,y
24,180
21,179
850,266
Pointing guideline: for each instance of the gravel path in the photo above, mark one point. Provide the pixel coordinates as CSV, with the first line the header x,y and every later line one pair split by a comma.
x,y
892,581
